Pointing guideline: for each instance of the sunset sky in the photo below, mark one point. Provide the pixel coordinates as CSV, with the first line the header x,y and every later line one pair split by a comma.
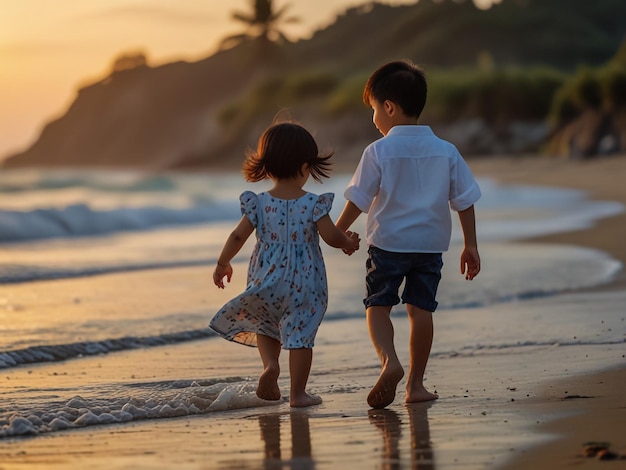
x,y
49,48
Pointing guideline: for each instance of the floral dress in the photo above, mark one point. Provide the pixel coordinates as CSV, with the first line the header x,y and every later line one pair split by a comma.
x,y
286,296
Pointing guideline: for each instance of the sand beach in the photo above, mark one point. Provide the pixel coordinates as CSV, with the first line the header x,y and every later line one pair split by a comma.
x,y
533,406
599,415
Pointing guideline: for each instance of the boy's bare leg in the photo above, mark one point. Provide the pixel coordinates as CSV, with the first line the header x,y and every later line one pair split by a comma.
x,y
299,367
421,340
381,334
269,349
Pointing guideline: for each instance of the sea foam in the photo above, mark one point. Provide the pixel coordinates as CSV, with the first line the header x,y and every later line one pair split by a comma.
x,y
147,401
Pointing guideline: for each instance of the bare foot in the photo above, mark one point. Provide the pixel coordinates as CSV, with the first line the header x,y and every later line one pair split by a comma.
x,y
384,392
304,399
268,385
420,395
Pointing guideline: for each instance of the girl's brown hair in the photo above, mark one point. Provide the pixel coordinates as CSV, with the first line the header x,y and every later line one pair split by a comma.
x,y
282,150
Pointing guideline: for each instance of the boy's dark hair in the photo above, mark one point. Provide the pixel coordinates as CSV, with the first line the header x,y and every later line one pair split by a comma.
x,y
282,150
400,81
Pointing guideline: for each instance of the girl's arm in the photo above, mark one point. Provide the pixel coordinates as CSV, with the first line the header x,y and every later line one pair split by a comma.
x,y
337,238
470,260
233,244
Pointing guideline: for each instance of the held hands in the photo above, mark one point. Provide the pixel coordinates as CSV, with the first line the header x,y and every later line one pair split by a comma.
x,y
222,271
355,242
470,262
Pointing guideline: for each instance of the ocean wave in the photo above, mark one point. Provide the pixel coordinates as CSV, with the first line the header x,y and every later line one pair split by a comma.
x,y
19,273
61,352
25,180
79,220
39,204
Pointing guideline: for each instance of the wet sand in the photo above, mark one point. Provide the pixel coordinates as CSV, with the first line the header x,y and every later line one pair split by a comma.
x,y
600,414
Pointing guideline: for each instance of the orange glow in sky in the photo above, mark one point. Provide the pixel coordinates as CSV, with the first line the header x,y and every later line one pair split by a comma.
x,y
49,48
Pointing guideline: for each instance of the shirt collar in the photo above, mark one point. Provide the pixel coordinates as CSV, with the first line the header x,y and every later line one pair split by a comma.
x,y
415,130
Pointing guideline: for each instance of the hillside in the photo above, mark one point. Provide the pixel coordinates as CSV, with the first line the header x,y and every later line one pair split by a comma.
x,y
205,113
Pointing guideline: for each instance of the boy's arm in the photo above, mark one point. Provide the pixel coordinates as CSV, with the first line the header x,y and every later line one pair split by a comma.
x,y
470,259
349,214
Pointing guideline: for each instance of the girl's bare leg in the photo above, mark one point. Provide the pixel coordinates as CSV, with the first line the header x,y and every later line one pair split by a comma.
x,y
299,368
420,342
381,334
269,349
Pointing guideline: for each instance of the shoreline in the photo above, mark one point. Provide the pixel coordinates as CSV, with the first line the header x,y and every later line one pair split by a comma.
x,y
599,415
512,408
601,179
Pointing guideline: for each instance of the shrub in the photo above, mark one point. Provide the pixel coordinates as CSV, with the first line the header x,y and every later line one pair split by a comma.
x,y
613,86
600,88
347,96
563,108
586,89
311,85
498,96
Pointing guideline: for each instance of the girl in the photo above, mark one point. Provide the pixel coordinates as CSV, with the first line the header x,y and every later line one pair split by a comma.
x,y
286,296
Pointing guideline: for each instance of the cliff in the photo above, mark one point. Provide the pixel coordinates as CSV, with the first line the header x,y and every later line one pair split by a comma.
x,y
205,113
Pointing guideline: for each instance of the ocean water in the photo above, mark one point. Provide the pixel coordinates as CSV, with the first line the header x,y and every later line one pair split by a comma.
x,y
79,224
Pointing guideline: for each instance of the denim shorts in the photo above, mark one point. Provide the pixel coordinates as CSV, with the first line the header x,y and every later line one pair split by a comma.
x,y
421,273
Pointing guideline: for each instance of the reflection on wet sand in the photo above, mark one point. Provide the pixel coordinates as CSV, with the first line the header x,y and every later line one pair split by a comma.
x,y
395,454
270,434
300,441
390,424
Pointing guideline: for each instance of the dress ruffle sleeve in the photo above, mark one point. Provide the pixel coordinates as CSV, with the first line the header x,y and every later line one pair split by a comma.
x,y
322,206
249,206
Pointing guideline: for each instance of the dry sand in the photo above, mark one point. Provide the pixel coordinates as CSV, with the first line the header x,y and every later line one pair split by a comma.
x,y
494,413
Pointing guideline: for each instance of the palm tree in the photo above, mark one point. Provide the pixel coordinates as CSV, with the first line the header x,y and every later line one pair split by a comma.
x,y
262,23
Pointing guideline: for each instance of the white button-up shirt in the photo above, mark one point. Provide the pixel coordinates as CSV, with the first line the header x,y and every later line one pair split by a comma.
x,y
407,182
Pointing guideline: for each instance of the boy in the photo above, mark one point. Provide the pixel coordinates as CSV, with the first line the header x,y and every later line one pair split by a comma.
x,y
407,182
